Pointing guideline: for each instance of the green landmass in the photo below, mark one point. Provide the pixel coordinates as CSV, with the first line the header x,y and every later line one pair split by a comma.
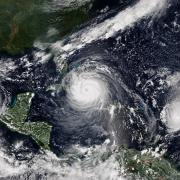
x,y
146,166
15,118
24,21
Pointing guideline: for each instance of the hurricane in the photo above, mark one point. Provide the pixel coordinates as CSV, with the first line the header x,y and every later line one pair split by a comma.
x,y
86,91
